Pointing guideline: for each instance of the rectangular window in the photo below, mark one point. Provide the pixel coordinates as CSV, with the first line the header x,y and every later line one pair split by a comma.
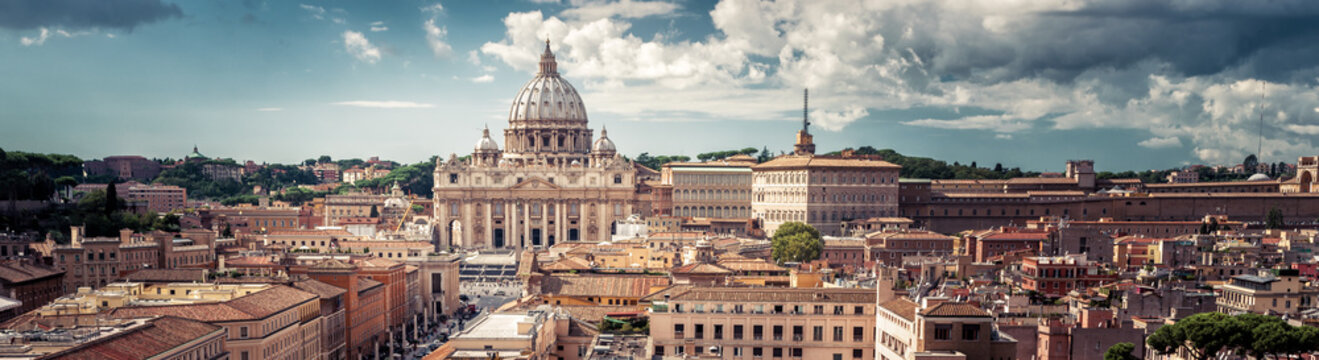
x,y
796,352
818,310
700,331
778,352
943,331
758,332
718,332
796,333
856,353
817,333
859,310
838,310
858,333
778,332
737,332
838,333
971,332
757,351
242,331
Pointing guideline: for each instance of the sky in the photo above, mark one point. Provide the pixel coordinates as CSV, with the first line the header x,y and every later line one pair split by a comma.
x,y
1131,84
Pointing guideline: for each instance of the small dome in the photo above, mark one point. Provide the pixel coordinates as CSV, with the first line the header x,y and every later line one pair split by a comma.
x,y
486,143
603,144
1258,177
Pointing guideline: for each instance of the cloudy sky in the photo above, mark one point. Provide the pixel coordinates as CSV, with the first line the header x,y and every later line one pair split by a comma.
x,y
1133,84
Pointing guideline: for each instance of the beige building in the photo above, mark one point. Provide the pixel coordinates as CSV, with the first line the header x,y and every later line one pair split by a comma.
x,y
551,183
821,190
712,189
97,261
765,323
1266,293
530,335
73,338
938,329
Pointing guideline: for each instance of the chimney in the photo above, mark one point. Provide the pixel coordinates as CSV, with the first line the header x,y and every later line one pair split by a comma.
x,y
932,301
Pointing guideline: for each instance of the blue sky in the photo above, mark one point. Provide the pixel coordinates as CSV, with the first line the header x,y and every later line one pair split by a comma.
x,y
1131,84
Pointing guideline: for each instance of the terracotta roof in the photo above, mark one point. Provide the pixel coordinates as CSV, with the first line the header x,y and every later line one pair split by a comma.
x,y
1041,181
761,294
157,336
364,284
334,264
750,265
701,268
310,233
670,290
601,285
902,307
954,309
17,272
167,275
249,261
1034,236
386,244
256,305
797,161
323,290
567,264
592,314
375,262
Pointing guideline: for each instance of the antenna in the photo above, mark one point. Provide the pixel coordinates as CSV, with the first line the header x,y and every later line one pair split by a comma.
x,y
805,104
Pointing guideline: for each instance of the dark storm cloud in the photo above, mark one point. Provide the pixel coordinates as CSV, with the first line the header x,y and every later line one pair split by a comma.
x,y
84,14
1192,37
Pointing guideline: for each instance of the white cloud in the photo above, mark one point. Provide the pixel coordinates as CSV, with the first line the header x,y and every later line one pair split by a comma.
x,y
1303,129
1161,142
357,45
835,121
46,33
995,123
1003,136
599,9
977,56
435,8
386,104
379,26
435,38
474,58
269,109
483,79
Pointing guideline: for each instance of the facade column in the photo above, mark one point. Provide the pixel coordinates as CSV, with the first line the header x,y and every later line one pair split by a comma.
x,y
526,223
559,234
465,218
489,222
442,215
512,217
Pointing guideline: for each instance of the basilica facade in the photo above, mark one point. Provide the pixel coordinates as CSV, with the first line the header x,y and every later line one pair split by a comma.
x,y
552,182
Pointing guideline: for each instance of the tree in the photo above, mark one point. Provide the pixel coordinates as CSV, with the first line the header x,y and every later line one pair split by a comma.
x,y
111,198
1201,335
764,155
1120,351
323,159
998,167
375,212
1275,337
1251,163
1274,219
796,242
309,162
973,164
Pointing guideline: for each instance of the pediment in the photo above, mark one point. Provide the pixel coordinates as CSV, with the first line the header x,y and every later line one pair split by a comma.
x,y
534,183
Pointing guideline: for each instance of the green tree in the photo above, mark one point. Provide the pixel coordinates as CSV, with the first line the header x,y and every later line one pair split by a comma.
x,y
1251,163
796,242
323,159
1274,219
1120,351
111,199
764,155
1201,335
1274,338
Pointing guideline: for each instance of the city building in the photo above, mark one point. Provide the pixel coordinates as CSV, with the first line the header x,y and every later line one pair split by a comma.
x,y
823,191
768,323
527,335
158,198
1282,293
890,246
936,328
124,167
32,285
1183,177
164,337
438,275
552,182
97,261
364,302
712,189
1055,276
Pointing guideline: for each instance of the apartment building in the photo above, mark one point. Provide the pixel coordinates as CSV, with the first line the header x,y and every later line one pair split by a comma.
x,y
938,329
888,247
1267,293
158,198
1055,276
765,323
98,261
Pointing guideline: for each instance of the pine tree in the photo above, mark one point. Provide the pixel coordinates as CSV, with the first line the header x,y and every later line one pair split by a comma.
x,y
111,198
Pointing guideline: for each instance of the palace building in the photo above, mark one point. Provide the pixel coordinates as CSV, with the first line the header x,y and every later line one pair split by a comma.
x,y
552,182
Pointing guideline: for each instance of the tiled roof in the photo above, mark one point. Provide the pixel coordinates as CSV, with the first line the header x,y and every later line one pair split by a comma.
x,y
310,233
750,265
17,272
901,306
1041,181
157,336
256,305
795,161
333,264
954,309
323,290
167,275
375,262
761,294
701,268
386,244
567,264
364,284
1018,236
601,285
671,290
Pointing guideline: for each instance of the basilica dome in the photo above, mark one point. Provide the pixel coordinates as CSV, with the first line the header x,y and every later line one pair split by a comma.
x,y
603,144
486,144
547,96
